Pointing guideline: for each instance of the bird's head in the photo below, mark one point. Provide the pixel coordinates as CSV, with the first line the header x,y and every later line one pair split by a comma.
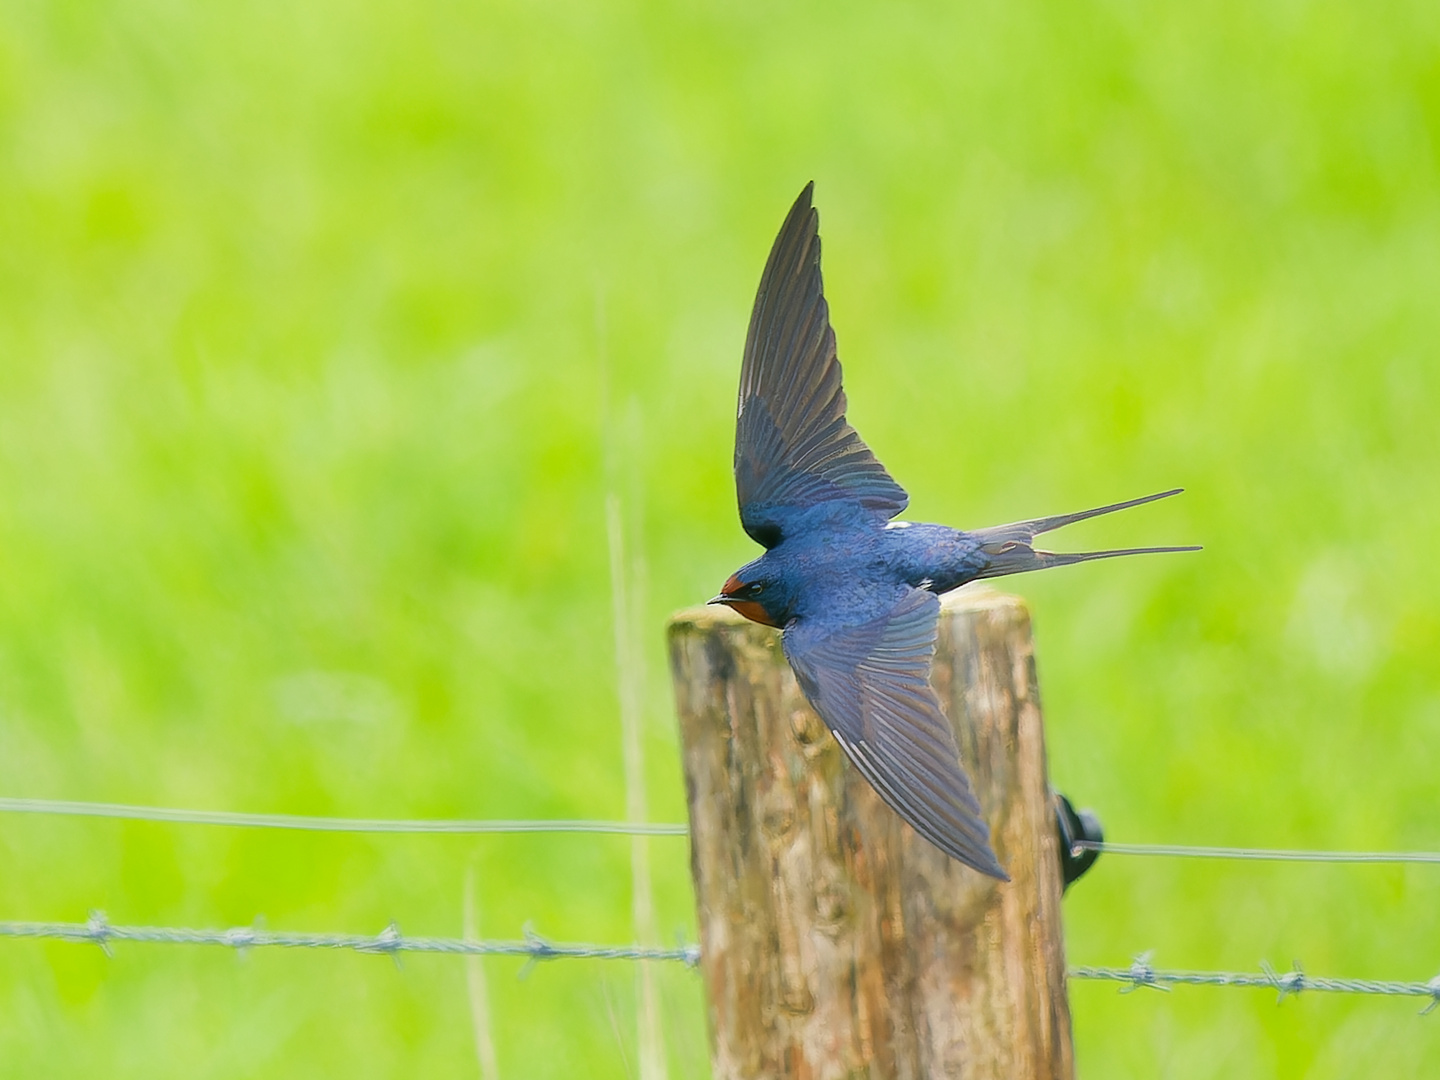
x,y
755,594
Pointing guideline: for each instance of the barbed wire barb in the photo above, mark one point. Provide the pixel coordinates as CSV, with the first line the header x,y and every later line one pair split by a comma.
x,y
540,950
1292,982
1142,974
389,941
99,931
1434,985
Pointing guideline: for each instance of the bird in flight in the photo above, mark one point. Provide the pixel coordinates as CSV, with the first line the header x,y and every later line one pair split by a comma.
x,y
855,593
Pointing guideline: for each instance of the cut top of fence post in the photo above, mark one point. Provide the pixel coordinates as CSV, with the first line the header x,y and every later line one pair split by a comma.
x,y
835,941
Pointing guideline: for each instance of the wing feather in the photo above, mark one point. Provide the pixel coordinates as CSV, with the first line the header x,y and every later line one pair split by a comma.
x,y
793,446
871,685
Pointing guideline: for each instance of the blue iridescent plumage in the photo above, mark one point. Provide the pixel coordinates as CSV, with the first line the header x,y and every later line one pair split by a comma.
x,y
855,593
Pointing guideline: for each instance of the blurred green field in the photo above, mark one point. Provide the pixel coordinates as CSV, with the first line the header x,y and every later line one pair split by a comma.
x,y
307,315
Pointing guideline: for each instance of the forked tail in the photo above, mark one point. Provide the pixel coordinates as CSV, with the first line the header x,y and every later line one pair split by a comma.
x,y
1008,546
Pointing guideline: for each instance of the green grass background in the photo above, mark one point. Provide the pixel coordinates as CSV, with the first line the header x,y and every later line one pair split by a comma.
x,y
319,323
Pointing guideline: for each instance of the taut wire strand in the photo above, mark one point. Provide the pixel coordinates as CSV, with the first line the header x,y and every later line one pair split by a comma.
x,y
331,824
314,823
1182,851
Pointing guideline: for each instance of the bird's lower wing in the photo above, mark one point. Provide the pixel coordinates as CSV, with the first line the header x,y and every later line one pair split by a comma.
x,y
871,685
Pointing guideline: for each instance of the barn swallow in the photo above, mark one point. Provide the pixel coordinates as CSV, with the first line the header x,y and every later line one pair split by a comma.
x,y
854,592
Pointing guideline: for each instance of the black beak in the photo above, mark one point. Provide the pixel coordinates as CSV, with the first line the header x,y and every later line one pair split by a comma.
x,y
722,598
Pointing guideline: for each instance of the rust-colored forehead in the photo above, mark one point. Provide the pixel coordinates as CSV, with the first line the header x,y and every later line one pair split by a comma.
x,y
733,584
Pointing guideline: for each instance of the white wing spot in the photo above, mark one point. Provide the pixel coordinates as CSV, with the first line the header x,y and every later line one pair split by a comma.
x,y
898,525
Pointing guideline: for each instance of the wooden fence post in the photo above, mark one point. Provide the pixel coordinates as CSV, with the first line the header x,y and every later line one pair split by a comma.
x,y
835,942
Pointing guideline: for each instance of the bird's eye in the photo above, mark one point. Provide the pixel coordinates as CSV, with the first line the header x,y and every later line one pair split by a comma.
x,y
757,589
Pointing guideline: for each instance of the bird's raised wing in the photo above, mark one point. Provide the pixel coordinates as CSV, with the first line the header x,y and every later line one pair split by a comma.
x,y
793,448
871,685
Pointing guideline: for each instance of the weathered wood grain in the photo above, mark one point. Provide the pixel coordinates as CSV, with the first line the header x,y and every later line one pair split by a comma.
x,y
835,941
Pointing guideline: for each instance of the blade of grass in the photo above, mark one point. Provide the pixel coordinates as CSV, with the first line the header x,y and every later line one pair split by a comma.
x,y
475,985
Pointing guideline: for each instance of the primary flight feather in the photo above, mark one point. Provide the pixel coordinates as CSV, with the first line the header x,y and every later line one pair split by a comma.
x,y
854,593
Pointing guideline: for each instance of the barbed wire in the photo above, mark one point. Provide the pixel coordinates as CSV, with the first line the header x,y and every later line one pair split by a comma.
x,y
1257,854
97,930
1140,975
332,824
